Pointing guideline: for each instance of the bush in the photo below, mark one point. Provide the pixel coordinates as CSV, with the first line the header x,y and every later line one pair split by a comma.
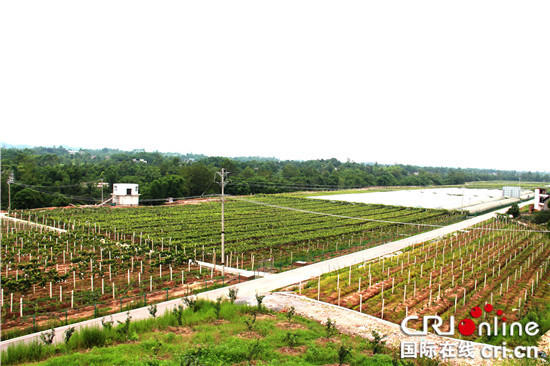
x,y
233,294
68,334
291,339
218,307
92,337
47,337
260,299
343,353
250,322
178,312
542,217
377,343
124,327
330,328
153,310
289,313
514,211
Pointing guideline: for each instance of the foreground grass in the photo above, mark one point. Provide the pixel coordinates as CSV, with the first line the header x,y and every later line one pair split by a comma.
x,y
207,334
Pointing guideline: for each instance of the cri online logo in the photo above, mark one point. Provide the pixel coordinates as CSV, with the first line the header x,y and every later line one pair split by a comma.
x,y
467,327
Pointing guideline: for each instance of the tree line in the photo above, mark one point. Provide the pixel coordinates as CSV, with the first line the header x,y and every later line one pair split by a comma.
x,y
56,176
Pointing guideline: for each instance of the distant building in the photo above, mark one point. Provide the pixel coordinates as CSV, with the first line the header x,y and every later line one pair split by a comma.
x,y
511,192
125,194
542,199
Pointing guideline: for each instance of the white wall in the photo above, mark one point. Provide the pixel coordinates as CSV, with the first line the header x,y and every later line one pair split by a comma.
x,y
120,188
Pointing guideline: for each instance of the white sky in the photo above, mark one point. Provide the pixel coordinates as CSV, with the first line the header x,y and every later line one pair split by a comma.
x,y
438,83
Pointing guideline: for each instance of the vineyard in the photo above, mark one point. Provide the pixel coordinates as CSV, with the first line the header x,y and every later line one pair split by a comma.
x,y
258,226
106,260
501,262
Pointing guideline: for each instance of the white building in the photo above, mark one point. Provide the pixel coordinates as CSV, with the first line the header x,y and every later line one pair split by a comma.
x,y
511,192
542,199
125,194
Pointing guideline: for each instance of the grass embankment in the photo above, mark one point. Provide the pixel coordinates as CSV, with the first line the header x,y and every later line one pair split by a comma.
x,y
208,333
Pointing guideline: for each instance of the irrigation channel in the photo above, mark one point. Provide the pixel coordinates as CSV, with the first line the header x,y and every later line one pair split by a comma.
x,y
275,281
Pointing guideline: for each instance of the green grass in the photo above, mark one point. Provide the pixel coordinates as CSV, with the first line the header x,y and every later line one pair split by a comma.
x,y
205,340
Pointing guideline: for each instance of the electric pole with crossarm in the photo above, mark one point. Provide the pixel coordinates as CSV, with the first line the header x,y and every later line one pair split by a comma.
x,y
223,182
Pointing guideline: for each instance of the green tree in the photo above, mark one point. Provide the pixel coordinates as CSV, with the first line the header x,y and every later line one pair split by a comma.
x,y
28,198
514,211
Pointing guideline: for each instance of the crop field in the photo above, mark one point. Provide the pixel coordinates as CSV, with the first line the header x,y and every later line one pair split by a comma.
x,y
114,259
256,225
500,262
51,278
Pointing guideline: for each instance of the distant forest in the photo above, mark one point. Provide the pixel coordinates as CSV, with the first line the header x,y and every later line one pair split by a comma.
x,y
56,176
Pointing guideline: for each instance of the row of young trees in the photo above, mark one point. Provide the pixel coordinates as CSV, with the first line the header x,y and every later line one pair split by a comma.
x,y
57,176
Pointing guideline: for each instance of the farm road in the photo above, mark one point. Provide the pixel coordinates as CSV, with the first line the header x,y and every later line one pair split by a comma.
x,y
4,216
280,280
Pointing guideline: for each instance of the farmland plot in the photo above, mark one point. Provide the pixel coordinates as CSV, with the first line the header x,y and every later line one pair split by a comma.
x,y
114,259
271,233
500,262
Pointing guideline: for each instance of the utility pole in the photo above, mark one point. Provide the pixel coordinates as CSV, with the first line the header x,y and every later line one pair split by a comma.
x,y
223,182
10,181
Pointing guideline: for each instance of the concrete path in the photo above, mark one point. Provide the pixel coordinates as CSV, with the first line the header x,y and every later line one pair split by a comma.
x,y
280,280
4,216
243,272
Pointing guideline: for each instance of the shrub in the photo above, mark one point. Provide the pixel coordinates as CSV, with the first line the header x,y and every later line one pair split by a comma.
x,y
250,322
377,343
290,313
124,327
193,304
330,328
178,312
68,334
47,337
218,307
514,211
153,310
233,294
193,357
291,339
107,324
260,299
343,353
541,217
254,350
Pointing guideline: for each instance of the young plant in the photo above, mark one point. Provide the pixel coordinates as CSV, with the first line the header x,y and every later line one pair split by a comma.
x,y
178,312
290,313
191,303
260,299
343,353
250,322
153,310
291,339
193,357
377,343
254,350
233,294
47,337
107,324
218,306
330,328
68,334
123,330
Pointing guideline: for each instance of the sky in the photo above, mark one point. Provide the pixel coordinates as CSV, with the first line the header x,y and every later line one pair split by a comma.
x,y
430,83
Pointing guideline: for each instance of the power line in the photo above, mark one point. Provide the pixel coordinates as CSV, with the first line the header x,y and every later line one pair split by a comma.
x,y
63,186
373,220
